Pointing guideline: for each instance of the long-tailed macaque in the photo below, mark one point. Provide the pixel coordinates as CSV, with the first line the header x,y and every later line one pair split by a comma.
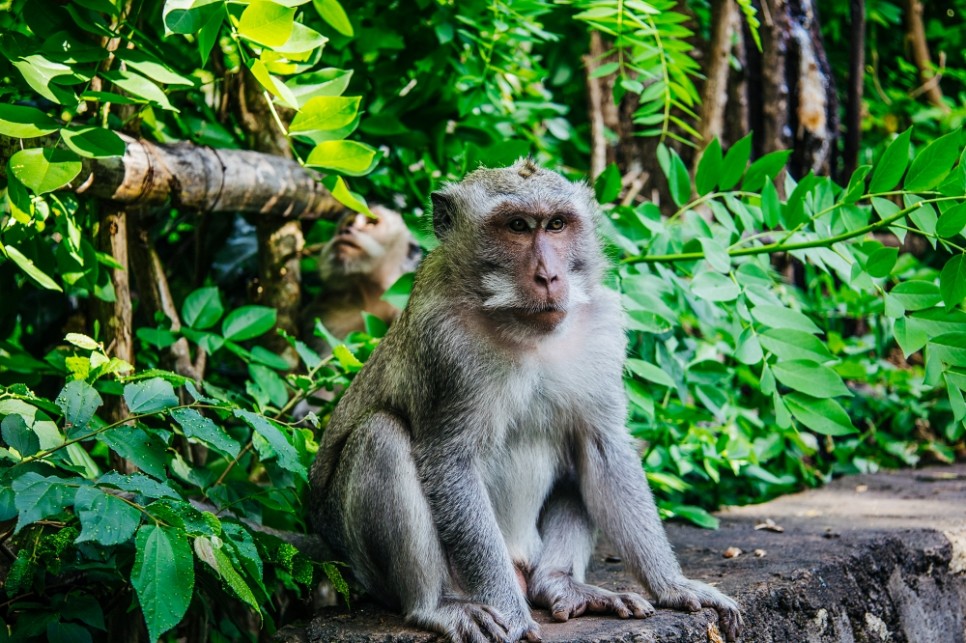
x,y
364,257
467,469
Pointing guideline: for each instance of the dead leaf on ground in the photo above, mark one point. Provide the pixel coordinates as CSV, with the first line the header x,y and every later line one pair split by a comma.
x,y
732,552
770,525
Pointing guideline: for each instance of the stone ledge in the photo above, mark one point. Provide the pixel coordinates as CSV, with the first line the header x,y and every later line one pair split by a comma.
x,y
867,558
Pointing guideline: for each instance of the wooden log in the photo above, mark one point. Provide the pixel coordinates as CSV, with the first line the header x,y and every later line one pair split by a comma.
x,y
197,177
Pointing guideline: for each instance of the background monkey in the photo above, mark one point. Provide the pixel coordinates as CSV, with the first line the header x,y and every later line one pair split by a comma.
x,y
467,468
364,257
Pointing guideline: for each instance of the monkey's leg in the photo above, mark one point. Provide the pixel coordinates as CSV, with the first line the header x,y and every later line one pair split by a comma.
x,y
556,581
393,542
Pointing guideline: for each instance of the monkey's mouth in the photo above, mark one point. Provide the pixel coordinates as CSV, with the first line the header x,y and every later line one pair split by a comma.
x,y
545,317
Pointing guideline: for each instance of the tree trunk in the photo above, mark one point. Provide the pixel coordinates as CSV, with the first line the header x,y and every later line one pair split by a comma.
x,y
115,316
916,33
853,112
280,241
784,94
714,93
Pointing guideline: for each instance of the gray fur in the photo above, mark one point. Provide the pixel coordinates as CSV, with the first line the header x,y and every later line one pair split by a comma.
x,y
478,451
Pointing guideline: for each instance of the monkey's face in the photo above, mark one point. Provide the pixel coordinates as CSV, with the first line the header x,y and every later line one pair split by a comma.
x,y
532,265
362,243
524,241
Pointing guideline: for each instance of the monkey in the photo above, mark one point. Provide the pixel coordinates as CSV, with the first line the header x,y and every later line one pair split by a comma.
x,y
361,261
466,471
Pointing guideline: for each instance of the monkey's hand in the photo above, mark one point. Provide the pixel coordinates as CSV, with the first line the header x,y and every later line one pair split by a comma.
x,y
692,595
461,621
567,598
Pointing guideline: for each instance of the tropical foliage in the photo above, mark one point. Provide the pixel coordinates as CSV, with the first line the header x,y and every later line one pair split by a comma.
x,y
783,328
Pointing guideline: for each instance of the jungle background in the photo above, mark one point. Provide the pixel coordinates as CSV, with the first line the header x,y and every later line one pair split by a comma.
x,y
783,187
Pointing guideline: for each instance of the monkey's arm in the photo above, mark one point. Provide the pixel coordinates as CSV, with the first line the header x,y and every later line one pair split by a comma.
x,y
468,529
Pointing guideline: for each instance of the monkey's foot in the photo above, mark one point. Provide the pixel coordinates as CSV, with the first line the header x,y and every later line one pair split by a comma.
x,y
567,598
692,595
461,621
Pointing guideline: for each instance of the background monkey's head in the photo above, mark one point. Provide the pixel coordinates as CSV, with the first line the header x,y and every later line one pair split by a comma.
x,y
368,246
521,243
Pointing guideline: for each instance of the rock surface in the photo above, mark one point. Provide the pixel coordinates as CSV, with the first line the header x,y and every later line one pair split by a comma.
x,y
865,559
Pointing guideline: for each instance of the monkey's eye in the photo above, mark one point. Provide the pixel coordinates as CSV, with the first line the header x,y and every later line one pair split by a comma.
x,y
518,225
556,224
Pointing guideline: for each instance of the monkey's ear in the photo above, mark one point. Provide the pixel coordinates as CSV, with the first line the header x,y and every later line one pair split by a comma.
x,y
444,211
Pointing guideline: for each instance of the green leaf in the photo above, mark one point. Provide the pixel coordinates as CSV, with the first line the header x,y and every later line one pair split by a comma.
x,y
933,163
139,87
882,261
144,449
810,377
679,182
916,294
197,427
950,348
856,187
770,164
709,168
202,308
269,381
138,483
248,322
697,515
337,186
40,74
713,286
790,344
826,417
649,372
333,13
716,254
150,395
151,67
274,86
267,23
952,281
891,166
324,82
208,341
325,113
781,317
909,337
264,356
347,360
735,162
398,293
771,207
38,497
287,456
345,157
607,186
163,577
748,350
79,401
93,142
952,221
105,518
61,632
211,551
45,169
20,121
31,269
17,435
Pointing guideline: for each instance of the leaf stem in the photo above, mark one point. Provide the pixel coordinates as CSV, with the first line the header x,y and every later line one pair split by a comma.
x,y
782,246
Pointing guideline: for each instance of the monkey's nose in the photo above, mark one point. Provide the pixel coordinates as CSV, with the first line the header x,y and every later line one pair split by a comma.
x,y
547,281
